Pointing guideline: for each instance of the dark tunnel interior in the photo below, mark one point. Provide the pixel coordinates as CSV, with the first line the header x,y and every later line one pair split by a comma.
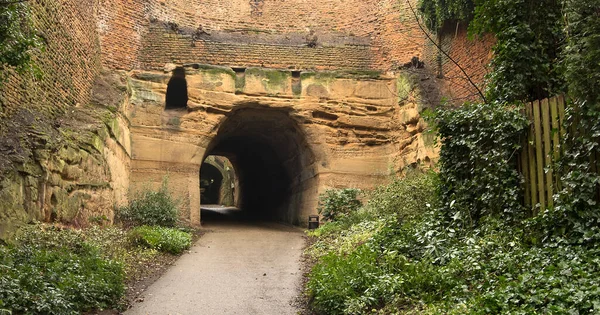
x,y
270,156
210,184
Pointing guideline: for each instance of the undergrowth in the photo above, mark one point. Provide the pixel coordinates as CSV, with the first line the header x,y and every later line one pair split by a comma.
x,y
151,207
383,263
458,242
56,270
168,240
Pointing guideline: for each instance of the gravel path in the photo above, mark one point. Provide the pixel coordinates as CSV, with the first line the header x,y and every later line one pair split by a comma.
x,y
235,268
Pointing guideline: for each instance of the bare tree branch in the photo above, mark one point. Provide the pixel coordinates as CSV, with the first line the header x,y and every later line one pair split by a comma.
x,y
445,53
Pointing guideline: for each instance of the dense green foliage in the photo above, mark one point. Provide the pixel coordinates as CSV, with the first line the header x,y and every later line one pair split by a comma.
x,y
478,170
165,239
577,215
528,35
55,270
467,245
17,39
52,271
149,207
336,203
437,12
424,264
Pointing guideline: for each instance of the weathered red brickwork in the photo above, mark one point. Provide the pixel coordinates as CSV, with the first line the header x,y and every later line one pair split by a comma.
x,y
122,24
472,55
69,63
163,46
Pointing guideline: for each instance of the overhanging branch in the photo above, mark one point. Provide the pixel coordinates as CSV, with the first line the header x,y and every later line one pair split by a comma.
x,y
445,53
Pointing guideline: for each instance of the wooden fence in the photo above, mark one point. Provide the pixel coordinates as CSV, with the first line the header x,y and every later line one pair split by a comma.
x,y
542,149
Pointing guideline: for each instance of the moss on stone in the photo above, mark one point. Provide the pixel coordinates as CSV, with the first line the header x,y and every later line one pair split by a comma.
x,y
240,83
174,121
328,76
275,80
210,70
405,85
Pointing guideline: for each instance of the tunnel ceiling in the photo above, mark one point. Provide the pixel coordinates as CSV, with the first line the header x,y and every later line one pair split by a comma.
x,y
269,152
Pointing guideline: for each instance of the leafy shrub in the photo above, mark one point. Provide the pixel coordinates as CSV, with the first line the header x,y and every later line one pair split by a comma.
x,y
168,240
405,197
336,203
151,208
478,171
18,39
53,271
370,262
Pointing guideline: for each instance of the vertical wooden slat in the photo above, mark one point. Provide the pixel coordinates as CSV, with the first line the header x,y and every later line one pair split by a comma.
x,y
531,156
556,145
539,154
525,165
561,115
525,172
597,163
546,129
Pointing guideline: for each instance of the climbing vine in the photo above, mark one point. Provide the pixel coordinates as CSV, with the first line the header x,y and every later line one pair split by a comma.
x,y
577,212
437,12
477,162
529,36
18,38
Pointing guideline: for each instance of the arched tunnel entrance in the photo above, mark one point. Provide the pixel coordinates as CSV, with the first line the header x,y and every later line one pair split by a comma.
x,y
218,182
273,162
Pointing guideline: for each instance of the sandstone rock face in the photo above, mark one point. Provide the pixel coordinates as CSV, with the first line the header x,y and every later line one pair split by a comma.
x,y
289,135
95,126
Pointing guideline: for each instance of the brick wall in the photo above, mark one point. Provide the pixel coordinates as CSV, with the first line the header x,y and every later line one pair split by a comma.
x,y
163,45
356,34
69,63
122,25
472,55
398,38
281,16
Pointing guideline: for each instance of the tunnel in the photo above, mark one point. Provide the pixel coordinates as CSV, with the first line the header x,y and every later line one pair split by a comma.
x,y
211,180
272,159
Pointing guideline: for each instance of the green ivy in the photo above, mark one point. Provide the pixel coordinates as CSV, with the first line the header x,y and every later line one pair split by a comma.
x,y
479,178
18,38
577,213
437,12
528,35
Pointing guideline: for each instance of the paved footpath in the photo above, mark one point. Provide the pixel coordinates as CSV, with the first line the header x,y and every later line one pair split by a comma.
x,y
235,268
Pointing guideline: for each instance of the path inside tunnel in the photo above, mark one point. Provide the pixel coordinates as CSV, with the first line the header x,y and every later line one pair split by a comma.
x,y
272,160
237,267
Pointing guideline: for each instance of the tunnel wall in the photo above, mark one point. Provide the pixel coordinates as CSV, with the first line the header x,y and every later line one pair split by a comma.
x,y
358,127
63,155
84,37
